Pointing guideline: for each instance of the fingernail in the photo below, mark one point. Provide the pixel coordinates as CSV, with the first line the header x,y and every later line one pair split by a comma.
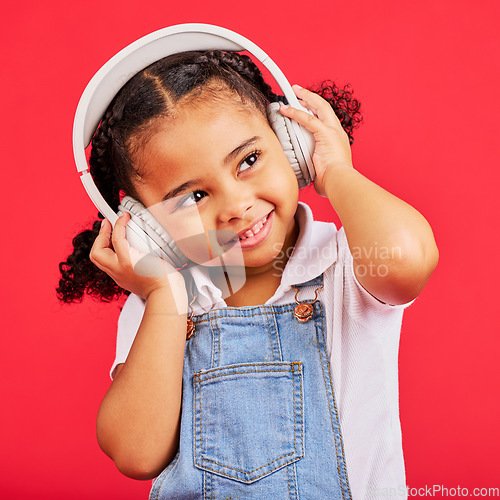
x,y
284,106
297,85
102,222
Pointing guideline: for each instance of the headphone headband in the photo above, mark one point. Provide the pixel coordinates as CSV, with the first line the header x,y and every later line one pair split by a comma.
x,y
138,55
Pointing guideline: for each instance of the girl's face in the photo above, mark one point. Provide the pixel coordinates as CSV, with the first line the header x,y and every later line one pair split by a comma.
x,y
218,169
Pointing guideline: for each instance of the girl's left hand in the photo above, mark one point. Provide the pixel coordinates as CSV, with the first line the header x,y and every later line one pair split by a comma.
x,y
332,149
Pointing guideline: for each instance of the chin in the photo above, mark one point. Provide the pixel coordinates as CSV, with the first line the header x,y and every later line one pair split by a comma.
x,y
265,257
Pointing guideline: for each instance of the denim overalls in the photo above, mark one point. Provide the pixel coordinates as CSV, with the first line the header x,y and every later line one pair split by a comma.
x,y
258,418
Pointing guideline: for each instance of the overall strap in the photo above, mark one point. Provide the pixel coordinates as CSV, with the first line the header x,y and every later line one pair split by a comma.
x,y
318,281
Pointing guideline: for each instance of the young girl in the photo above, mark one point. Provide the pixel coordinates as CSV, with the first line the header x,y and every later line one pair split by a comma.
x,y
288,387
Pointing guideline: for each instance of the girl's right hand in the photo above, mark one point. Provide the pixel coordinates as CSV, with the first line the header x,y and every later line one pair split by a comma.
x,y
112,254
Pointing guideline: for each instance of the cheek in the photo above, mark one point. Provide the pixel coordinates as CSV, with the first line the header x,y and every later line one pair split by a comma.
x,y
187,231
282,180
179,224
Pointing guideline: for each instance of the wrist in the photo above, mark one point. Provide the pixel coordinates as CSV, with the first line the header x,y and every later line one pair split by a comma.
x,y
169,301
333,176
170,292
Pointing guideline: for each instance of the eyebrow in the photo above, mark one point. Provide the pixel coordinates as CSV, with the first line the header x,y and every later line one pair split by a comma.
x,y
179,189
234,153
244,145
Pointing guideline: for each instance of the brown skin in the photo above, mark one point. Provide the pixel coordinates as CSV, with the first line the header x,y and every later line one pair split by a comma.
x,y
135,427
231,195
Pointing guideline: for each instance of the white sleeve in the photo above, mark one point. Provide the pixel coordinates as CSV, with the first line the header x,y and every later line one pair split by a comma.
x,y
128,324
360,304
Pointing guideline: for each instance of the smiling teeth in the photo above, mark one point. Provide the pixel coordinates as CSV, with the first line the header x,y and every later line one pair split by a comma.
x,y
255,229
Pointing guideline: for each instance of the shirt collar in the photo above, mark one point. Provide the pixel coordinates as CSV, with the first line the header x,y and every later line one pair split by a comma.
x,y
314,251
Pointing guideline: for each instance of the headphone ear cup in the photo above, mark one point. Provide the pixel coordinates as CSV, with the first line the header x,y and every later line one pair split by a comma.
x,y
283,129
143,218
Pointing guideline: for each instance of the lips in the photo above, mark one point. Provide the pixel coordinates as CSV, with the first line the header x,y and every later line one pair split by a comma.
x,y
254,228
251,233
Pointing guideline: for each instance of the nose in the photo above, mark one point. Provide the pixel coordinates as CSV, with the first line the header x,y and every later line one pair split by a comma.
x,y
236,199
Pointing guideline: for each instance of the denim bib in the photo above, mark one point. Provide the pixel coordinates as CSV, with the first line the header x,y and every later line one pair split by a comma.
x,y
259,418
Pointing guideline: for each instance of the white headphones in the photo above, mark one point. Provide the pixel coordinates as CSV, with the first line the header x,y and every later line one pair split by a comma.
x,y
144,232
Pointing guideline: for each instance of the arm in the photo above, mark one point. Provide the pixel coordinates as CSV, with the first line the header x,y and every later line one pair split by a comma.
x,y
392,245
139,418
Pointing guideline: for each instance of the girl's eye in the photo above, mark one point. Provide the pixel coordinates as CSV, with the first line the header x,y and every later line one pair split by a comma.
x,y
191,199
250,160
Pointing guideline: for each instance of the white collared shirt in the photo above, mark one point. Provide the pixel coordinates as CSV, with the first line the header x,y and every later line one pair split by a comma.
x,y
362,340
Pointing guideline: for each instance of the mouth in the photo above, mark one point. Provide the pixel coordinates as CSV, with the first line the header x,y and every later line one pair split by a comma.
x,y
255,235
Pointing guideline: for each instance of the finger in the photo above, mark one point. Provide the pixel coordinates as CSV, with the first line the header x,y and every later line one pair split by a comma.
x,y
312,123
102,253
104,236
119,238
319,106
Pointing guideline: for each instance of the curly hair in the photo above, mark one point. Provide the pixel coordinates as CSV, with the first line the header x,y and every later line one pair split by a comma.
x,y
131,117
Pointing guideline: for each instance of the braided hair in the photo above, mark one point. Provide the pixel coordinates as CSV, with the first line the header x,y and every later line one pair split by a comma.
x,y
131,118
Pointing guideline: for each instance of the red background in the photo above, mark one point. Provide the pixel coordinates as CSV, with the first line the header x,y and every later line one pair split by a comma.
x,y
426,73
